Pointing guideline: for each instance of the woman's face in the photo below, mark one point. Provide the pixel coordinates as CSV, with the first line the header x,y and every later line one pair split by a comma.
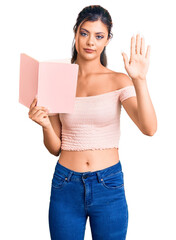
x,y
92,35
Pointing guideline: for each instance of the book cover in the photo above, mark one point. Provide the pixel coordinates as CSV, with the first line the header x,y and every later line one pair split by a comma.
x,y
54,83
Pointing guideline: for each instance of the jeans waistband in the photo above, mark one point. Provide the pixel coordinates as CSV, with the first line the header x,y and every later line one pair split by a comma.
x,y
69,174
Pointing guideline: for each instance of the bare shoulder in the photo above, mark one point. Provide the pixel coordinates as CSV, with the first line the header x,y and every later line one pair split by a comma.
x,y
121,80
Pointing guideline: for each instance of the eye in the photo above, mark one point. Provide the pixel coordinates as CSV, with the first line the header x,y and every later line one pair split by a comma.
x,y
100,36
82,33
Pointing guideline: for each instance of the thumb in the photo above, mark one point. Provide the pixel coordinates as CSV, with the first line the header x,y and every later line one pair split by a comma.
x,y
125,59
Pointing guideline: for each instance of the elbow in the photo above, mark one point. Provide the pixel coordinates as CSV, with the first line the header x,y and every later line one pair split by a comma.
x,y
149,133
153,132
55,153
58,153
149,130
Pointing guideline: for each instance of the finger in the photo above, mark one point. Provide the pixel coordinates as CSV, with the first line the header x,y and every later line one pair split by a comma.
x,y
138,44
148,52
132,47
35,109
142,46
125,59
32,110
42,108
40,113
34,102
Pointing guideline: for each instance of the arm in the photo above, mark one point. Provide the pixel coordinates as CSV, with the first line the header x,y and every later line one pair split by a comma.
x,y
146,113
140,109
52,135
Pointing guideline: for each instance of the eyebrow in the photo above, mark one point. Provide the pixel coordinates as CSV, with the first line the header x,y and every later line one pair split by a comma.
x,y
96,32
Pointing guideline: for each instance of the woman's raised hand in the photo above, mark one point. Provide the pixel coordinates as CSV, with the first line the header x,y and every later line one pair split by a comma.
x,y
138,64
39,114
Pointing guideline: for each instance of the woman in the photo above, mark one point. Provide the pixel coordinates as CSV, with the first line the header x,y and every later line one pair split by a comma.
x,y
88,177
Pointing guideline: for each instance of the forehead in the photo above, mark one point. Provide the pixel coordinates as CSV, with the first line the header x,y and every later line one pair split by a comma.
x,y
96,26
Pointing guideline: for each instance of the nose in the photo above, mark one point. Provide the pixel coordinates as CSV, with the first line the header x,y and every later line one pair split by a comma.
x,y
90,41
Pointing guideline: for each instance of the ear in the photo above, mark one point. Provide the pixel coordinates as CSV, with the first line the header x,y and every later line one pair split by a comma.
x,y
107,42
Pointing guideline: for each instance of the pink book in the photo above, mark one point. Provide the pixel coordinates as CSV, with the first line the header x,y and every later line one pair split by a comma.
x,y
54,83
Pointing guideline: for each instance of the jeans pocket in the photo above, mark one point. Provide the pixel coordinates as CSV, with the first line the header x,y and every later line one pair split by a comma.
x,y
113,181
58,181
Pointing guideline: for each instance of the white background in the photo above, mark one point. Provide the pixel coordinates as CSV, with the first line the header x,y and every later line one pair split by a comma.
x,y
44,30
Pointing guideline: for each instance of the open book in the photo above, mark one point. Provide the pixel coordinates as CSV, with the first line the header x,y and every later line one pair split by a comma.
x,y
54,83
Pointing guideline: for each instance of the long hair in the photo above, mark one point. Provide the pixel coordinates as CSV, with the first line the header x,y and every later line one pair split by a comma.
x,y
93,13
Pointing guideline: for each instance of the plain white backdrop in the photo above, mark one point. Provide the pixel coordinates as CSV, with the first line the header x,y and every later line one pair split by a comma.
x,y
44,30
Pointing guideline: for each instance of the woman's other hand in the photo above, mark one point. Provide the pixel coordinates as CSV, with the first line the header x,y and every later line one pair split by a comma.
x,y
39,114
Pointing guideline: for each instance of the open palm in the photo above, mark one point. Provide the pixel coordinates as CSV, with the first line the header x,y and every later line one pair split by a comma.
x,y
138,64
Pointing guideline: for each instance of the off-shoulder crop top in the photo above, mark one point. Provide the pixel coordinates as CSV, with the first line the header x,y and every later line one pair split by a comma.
x,y
95,121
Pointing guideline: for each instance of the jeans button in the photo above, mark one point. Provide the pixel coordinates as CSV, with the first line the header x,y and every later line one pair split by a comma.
x,y
85,176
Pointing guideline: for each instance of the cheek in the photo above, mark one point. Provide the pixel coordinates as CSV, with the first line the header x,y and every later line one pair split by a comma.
x,y
76,42
100,49
79,44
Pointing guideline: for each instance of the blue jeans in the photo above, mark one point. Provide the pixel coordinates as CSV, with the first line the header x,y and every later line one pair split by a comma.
x,y
77,195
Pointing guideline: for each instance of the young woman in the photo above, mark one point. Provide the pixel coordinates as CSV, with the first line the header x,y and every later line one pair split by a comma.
x,y
88,177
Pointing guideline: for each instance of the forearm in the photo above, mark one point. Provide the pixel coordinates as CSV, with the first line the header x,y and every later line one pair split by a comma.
x,y
51,141
146,112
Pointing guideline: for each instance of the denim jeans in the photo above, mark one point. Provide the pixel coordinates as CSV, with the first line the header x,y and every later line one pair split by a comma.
x,y
77,195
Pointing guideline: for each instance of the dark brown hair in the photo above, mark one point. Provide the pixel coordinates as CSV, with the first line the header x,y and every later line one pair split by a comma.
x,y
93,13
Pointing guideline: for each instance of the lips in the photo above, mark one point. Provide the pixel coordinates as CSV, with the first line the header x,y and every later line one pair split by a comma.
x,y
89,50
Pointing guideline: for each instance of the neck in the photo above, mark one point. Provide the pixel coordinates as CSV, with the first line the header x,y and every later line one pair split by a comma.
x,y
87,67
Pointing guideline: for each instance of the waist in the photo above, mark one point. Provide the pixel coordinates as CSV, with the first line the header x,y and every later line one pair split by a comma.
x,y
65,172
88,160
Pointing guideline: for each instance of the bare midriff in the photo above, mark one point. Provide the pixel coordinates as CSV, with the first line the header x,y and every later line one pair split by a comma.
x,y
89,160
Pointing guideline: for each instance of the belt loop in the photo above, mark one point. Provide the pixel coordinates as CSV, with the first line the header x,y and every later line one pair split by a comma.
x,y
69,176
99,176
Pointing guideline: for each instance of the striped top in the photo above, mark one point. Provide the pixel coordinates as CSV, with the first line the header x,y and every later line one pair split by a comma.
x,y
95,121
